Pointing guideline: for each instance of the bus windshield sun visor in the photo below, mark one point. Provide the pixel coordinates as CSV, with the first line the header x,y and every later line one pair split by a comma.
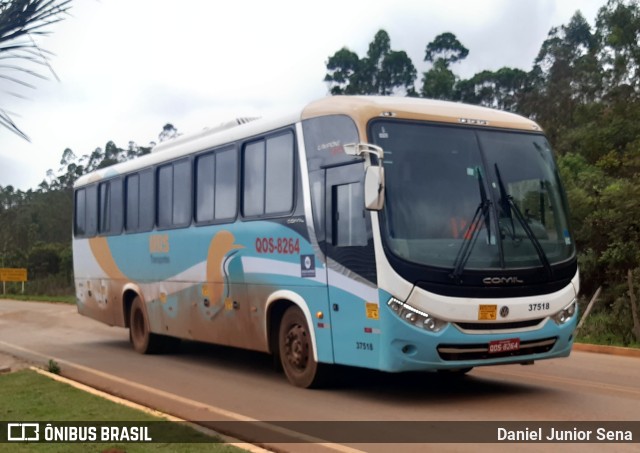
x,y
508,206
472,232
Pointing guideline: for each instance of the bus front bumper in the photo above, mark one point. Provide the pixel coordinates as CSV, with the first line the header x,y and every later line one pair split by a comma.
x,y
407,348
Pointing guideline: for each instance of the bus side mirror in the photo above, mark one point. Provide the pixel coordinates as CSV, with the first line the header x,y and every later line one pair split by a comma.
x,y
374,175
374,188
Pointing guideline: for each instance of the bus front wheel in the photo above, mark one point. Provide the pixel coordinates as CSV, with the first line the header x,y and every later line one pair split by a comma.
x,y
140,336
296,351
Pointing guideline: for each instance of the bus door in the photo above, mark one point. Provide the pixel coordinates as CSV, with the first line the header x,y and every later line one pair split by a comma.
x,y
353,295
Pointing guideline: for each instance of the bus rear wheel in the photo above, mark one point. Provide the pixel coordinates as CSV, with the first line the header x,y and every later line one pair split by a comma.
x,y
140,336
296,351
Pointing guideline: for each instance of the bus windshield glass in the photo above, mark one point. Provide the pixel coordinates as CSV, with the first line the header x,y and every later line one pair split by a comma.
x,y
497,191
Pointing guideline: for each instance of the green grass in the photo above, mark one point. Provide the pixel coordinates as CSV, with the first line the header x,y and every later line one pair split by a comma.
x,y
29,396
605,328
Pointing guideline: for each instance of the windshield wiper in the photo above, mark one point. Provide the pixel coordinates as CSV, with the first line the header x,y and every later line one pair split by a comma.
x,y
509,206
471,234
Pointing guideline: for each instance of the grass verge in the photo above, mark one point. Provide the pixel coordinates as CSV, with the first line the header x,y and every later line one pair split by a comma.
x,y
29,396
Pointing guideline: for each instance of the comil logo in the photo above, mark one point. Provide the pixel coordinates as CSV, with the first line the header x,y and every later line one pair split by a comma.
x,y
501,280
23,432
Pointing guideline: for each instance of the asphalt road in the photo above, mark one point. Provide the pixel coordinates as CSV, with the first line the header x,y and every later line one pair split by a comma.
x,y
242,390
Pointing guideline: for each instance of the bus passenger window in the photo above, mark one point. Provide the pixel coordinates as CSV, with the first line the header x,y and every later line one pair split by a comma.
x,y
80,214
226,193
131,223
110,207
146,208
105,207
165,196
92,211
205,172
279,171
174,194
268,176
181,193
253,197
217,186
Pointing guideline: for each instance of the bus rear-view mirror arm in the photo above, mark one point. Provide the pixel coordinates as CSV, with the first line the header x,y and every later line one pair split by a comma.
x,y
374,175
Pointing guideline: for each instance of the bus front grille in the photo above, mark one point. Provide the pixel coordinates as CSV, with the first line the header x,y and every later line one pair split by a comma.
x,y
481,351
499,325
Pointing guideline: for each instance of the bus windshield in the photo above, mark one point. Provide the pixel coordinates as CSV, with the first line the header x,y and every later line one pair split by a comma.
x,y
498,191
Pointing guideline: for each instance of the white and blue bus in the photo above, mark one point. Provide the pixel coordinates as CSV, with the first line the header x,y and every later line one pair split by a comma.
x,y
388,233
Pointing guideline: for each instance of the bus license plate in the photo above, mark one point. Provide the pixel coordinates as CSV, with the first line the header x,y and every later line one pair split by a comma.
x,y
512,344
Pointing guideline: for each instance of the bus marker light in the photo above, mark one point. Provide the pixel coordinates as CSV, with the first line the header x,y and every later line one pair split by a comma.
x,y
566,313
473,121
416,317
320,315
429,323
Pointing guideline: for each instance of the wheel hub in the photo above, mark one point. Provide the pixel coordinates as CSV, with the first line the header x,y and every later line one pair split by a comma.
x,y
297,347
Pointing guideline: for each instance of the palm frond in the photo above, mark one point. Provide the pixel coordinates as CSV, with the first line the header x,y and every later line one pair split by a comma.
x,y
6,121
20,21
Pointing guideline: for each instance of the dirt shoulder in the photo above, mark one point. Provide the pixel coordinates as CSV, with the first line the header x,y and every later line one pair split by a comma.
x,y
10,364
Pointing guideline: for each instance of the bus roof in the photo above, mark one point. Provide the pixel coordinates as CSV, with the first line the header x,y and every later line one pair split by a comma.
x,y
360,108
363,108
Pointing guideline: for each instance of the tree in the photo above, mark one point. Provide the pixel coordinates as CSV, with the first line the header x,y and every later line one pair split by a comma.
x,y
383,71
565,77
386,70
618,33
446,48
343,72
133,150
35,225
439,81
501,89
584,90
168,132
20,21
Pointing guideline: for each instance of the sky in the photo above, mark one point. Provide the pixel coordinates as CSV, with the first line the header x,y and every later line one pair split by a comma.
x,y
125,68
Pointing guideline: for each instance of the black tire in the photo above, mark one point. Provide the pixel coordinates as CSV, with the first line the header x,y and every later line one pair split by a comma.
x,y
296,351
140,336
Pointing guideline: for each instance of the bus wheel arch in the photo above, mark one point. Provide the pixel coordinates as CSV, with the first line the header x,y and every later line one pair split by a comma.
x,y
127,301
140,335
293,343
275,312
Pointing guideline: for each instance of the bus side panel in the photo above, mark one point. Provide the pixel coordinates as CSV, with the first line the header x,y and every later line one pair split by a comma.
x,y
354,321
277,259
96,291
209,284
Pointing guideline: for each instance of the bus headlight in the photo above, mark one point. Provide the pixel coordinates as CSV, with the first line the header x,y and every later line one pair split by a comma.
x,y
566,313
416,317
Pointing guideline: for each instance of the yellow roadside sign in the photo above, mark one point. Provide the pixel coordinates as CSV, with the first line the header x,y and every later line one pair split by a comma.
x,y
8,274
